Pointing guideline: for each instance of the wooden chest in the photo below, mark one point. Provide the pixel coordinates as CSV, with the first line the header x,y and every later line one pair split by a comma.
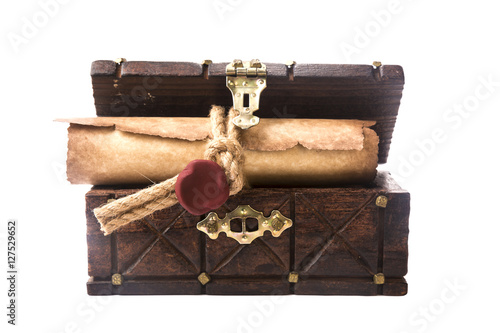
x,y
341,241
349,240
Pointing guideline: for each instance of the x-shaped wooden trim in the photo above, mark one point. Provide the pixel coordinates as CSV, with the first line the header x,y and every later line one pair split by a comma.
x,y
160,236
311,259
259,242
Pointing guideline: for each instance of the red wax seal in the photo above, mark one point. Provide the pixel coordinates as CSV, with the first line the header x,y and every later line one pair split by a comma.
x,y
201,187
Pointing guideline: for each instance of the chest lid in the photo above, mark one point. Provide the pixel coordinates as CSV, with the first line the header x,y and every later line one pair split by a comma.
x,y
180,89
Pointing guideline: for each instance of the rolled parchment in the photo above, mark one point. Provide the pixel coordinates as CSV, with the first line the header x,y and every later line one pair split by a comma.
x,y
277,152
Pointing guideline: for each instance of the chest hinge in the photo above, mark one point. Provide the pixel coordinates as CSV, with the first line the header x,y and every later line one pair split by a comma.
x,y
246,80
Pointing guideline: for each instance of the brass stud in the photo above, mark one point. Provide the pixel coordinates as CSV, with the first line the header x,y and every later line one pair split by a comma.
x,y
379,278
381,201
260,81
293,277
204,278
116,279
290,63
212,227
119,61
277,224
206,62
244,237
377,64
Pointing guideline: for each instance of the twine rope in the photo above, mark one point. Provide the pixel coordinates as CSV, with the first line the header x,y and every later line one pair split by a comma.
x,y
224,149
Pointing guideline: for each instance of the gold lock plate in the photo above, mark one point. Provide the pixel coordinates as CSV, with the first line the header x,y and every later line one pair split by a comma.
x,y
276,223
246,80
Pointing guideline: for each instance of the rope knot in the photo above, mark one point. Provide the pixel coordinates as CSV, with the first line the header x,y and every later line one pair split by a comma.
x,y
224,149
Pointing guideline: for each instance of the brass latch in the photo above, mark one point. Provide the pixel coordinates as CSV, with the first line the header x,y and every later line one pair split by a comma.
x,y
276,223
246,80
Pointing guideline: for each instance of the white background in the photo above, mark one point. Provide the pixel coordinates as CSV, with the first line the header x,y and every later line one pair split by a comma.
x,y
448,50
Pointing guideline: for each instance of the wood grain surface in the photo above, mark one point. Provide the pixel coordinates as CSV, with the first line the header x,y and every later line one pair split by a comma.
x,y
180,89
339,240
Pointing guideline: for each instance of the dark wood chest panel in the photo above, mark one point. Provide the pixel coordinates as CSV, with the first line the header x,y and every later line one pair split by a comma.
x,y
182,89
339,240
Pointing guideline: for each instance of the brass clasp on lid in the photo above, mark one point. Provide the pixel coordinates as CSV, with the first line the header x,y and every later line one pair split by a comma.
x,y
246,80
